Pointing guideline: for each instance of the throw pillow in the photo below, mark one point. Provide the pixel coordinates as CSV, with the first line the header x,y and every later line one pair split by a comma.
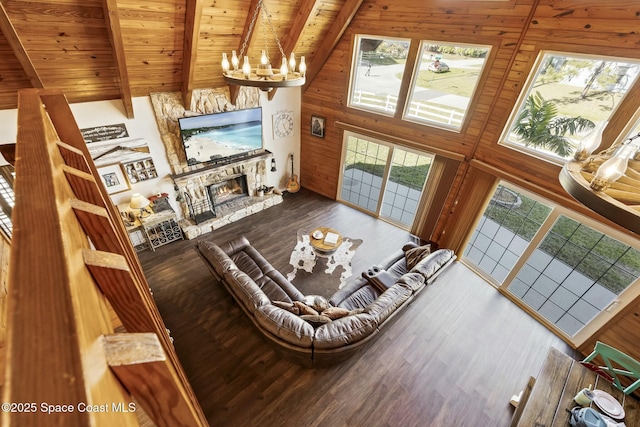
x,y
305,309
317,302
287,306
316,320
415,255
334,313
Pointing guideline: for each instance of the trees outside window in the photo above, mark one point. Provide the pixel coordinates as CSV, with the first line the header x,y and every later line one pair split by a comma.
x,y
567,95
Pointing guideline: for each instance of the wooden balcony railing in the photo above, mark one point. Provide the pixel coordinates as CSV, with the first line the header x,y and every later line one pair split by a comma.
x,y
72,270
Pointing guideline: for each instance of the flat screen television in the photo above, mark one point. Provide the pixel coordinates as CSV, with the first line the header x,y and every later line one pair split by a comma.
x,y
219,136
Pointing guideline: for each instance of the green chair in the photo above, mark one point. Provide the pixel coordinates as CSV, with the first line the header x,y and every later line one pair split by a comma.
x,y
617,364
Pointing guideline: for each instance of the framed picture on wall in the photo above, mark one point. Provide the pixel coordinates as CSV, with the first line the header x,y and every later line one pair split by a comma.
x,y
113,178
317,126
141,170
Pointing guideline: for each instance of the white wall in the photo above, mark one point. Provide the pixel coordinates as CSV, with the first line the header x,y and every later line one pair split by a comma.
x,y
91,114
289,99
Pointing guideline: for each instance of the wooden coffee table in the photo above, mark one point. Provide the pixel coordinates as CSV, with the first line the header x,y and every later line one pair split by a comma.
x,y
320,246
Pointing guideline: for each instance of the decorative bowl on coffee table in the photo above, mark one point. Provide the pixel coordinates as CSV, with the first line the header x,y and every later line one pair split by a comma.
x,y
327,241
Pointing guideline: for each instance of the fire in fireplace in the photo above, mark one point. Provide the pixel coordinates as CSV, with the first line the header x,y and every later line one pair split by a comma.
x,y
218,195
227,191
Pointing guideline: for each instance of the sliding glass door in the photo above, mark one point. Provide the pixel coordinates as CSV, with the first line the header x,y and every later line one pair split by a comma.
x,y
382,179
364,167
568,271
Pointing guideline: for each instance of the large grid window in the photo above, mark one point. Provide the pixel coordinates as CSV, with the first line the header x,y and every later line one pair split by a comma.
x,y
559,265
376,74
575,273
444,81
505,231
567,96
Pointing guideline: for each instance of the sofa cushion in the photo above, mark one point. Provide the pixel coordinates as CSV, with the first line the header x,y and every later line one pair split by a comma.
x,y
414,281
218,259
315,320
247,264
285,325
344,331
272,289
245,289
431,264
388,302
398,268
360,298
415,255
288,288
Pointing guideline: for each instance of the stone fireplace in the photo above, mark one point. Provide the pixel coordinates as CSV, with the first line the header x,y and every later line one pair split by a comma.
x,y
219,194
200,210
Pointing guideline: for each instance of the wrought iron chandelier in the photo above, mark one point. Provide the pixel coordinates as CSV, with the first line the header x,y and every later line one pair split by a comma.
x,y
263,77
608,182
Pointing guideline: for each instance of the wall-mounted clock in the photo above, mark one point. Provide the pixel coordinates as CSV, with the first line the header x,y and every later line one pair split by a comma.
x,y
283,124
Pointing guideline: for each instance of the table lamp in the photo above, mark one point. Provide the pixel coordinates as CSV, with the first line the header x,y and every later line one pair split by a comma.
x,y
138,201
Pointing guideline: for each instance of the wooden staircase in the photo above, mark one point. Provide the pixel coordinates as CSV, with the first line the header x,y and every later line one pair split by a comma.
x,y
72,271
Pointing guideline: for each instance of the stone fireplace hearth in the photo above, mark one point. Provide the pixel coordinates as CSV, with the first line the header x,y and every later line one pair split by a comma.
x,y
221,194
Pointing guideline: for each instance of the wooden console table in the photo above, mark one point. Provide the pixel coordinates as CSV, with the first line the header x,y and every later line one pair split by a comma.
x,y
551,398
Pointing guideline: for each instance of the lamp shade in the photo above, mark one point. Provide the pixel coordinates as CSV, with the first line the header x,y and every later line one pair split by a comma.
x,y
138,201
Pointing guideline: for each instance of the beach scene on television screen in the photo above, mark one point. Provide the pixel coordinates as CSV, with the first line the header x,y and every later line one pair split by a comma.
x,y
214,137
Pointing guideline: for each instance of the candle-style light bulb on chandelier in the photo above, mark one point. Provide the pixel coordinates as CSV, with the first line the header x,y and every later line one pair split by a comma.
x,y
607,182
264,76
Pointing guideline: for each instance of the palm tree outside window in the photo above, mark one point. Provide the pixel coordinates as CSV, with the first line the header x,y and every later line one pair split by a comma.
x,y
567,96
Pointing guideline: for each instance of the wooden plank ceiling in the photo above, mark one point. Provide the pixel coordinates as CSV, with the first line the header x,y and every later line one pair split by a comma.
x,y
118,49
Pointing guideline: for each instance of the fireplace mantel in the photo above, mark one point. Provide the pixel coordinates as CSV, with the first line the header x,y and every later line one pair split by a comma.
x,y
181,178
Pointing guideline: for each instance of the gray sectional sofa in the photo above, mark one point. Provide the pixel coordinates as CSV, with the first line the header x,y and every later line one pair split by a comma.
x,y
361,309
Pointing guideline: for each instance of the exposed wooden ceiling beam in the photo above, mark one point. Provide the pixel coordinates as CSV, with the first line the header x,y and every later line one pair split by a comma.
x,y
331,39
112,18
233,89
19,51
305,13
193,16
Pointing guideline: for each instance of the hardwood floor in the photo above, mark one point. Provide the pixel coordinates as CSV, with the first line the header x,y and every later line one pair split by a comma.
x,y
452,358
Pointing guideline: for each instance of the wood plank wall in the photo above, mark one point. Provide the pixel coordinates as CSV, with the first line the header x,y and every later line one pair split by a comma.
x,y
5,249
516,31
68,43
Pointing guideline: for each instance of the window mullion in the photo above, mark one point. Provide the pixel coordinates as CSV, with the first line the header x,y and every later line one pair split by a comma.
x,y
409,70
531,247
